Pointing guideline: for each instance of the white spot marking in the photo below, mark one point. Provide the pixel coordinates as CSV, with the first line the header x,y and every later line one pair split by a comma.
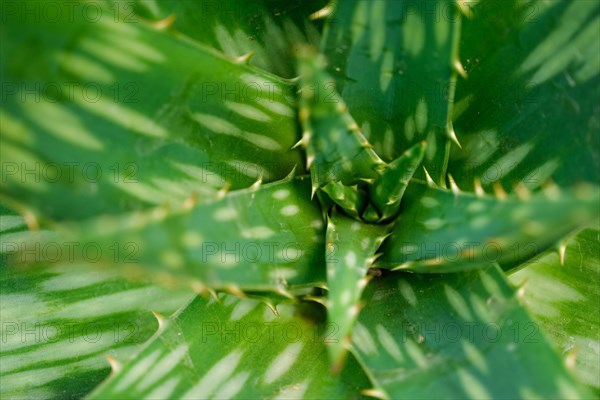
x,y
225,214
283,362
215,377
281,194
290,210
388,342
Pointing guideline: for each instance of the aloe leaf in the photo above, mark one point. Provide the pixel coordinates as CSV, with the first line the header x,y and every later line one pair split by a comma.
x,y
124,116
235,349
564,299
455,336
60,323
387,191
530,101
395,66
439,230
269,30
265,238
350,198
351,247
336,150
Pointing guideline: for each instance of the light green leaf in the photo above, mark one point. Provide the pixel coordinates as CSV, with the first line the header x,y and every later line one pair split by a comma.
x,y
529,108
267,237
440,230
336,149
271,30
455,336
387,191
236,349
564,299
59,323
351,247
395,65
123,116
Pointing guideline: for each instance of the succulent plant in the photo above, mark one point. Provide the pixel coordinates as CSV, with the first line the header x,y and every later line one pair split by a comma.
x,y
278,199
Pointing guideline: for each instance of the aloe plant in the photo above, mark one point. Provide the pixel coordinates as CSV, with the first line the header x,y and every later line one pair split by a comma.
x,y
274,199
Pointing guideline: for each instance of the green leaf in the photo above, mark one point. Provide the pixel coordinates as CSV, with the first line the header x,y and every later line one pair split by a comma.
x,y
265,238
351,247
336,150
350,198
269,30
123,116
455,336
59,323
387,191
440,230
235,349
564,299
530,103
395,65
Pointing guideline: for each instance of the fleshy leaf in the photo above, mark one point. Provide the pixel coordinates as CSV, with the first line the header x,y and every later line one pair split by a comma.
x,y
455,336
124,116
336,150
351,199
387,191
439,230
236,349
395,64
564,299
267,237
351,247
270,31
530,101
59,323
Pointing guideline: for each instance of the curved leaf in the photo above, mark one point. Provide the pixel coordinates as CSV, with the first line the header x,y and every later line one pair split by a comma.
x,y
235,349
564,299
269,30
440,230
123,116
455,336
351,247
395,65
530,102
266,238
59,323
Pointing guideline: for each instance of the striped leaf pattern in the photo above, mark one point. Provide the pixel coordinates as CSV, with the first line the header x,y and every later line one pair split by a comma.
x,y
563,297
234,348
395,64
455,336
530,102
268,31
265,238
441,230
59,323
351,247
129,128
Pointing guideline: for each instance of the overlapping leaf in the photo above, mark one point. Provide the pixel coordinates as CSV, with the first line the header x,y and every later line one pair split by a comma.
x,y
336,149
123,116
395,65
455,336
351,247
529,110
236,349
440,230
270,30
58,324
564,299
267,237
